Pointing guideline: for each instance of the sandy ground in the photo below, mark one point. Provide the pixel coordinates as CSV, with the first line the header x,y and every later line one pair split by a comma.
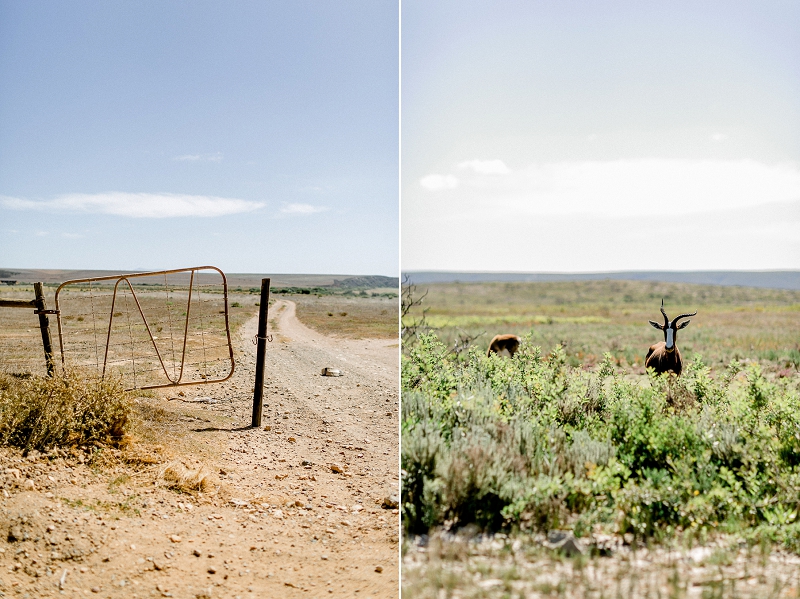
x,y
300,510
499,566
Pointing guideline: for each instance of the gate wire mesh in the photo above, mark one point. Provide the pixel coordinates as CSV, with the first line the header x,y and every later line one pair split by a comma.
x,y
155,329
21,350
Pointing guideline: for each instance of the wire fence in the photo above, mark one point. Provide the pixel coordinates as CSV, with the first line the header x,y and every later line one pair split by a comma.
x,y
158,329
20,338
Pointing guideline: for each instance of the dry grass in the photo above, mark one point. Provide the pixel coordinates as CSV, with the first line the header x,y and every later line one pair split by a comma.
x,y
351,317
66,410
186,479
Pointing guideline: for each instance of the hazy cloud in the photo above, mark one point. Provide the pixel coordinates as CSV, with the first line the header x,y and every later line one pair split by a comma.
x,y
751,238
486,167
438,182
136,205
302,209
621,188
215,157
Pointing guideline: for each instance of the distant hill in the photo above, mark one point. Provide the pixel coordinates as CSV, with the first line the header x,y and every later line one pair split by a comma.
x,y
244,280
772,279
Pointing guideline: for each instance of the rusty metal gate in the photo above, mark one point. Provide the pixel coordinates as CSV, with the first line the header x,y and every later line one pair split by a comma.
x,y
155,329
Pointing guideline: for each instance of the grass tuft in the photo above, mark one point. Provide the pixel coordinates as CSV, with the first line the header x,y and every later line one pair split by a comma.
x,y
187,480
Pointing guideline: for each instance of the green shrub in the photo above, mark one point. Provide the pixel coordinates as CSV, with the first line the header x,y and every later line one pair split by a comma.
x,y
535,443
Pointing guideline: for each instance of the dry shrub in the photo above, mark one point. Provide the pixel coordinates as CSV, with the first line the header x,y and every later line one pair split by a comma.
x,y
187,480
68,409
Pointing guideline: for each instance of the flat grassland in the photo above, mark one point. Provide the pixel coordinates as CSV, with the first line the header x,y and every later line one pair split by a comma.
x,y
370,314
656,486
85,316
348,316
589,318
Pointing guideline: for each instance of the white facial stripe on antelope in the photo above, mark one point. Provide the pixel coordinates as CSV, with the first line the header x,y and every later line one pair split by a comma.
x,y
670,338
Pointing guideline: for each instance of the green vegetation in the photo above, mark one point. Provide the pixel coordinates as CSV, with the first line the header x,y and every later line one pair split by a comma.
x,y
297,290
556,440
321,291
73,409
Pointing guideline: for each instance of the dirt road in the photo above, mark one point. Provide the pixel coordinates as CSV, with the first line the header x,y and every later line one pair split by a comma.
x,y
300,510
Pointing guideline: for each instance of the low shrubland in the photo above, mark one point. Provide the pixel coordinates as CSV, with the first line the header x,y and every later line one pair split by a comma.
x,y
69,409
536,443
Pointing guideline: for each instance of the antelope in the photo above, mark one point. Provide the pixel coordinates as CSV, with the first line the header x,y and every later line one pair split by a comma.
x,y
504,345
664,355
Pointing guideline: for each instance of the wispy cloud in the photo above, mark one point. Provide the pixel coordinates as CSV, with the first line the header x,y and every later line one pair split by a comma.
x,y
136,205
215,157
486,167
439,182
302,209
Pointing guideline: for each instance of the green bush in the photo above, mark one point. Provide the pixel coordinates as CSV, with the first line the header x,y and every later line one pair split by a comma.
x,y
535,443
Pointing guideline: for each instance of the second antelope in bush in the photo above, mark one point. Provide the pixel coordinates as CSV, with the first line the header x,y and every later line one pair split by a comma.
x,y
665,356
504,345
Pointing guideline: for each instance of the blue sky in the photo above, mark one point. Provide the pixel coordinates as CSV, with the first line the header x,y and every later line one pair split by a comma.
x,y
254,136
590,136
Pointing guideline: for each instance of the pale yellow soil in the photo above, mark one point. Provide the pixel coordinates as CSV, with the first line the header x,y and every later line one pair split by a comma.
x,y
274,528
498,566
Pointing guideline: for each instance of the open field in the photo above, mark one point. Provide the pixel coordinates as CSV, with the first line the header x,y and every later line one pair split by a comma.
x,y
590,318
194,502
770,279
344,316
142,350
241,281
341,309
660,487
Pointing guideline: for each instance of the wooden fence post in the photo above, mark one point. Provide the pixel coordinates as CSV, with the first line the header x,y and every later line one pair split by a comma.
x,y
44,326
261,352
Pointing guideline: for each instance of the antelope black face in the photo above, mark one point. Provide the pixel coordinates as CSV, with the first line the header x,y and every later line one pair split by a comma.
x,y
671,328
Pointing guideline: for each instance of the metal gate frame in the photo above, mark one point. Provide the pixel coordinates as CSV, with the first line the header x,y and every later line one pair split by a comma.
x,y
126,278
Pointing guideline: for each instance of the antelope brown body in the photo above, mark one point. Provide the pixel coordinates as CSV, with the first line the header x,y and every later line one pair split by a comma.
x,y
504,343
665,356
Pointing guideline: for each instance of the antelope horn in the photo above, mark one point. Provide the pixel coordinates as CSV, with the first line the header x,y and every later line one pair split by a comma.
x,y
666,319
677,318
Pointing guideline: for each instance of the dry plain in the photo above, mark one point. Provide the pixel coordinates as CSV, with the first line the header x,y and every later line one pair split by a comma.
x,y
299,507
